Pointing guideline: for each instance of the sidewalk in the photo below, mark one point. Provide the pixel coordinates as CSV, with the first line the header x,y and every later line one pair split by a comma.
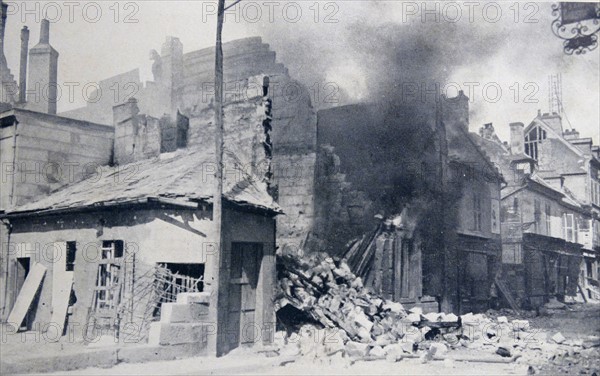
x,y
30,354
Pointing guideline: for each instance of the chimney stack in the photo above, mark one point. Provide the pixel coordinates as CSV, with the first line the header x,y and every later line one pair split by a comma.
x,y
23,64
43,74
571,134
517,138
45,32
487,131
4,10
554,121
455,111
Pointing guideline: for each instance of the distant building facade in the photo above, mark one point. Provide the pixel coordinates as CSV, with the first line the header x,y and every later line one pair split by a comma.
x,y
568,161
543,246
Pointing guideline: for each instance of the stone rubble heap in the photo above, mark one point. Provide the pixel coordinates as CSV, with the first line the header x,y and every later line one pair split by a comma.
x,y
359,322
342,319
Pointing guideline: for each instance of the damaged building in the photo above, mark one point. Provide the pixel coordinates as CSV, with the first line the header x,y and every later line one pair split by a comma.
x,y
436,243
109,252
115,248
135,188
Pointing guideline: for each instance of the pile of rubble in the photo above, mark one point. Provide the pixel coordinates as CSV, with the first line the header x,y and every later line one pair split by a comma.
x,y
328,313
346,317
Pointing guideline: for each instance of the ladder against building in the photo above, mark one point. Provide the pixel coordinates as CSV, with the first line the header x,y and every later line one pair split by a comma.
x,y
109,288
501,284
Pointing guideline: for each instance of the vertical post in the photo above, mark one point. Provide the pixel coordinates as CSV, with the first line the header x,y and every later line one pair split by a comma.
x,y
213,270
446,305
23,64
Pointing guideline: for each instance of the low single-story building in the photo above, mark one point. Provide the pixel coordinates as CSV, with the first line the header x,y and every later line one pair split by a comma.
x,y
106,253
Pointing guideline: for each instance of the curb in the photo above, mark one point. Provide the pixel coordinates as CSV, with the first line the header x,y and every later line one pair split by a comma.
x,y
101,358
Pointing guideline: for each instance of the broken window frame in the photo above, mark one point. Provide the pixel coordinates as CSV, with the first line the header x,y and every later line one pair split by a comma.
x,y
170,283
532,139
108,280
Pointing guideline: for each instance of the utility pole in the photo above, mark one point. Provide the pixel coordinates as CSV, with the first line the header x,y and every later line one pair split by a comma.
x,y
213,280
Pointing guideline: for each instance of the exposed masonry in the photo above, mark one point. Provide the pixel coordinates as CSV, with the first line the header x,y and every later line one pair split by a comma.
x,y
268,131
268,144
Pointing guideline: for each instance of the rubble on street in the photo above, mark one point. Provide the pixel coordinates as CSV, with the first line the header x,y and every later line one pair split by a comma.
x,y
328,315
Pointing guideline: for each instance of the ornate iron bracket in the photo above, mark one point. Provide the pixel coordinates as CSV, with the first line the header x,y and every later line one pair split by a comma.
x,y
578,24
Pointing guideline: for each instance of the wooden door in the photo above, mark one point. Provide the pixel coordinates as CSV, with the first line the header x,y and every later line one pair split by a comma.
x,y
474,282
243,327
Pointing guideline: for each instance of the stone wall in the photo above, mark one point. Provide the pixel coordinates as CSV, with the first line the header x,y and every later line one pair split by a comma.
x,y
51,151
137,136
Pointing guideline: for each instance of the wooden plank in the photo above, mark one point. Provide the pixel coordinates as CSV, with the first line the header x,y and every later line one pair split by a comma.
x,y
414,271
397,268
62,282
582,292
507,295
387,269
379,244
61,292
28,291
365,261
405,268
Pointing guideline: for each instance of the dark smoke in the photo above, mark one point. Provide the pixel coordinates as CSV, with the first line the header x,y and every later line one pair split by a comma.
x,y
388,55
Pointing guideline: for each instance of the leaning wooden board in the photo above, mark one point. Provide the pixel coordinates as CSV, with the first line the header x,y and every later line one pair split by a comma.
x,y
27,294
61,292
62,283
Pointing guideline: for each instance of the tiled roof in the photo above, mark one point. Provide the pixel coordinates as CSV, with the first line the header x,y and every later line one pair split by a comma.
x,y
184,175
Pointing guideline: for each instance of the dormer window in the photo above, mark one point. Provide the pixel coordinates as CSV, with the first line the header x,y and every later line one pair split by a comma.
x,y
532,139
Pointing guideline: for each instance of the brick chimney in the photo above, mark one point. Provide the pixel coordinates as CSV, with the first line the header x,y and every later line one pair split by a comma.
x,y
455,111
554,121
137,136
517,138
487,131
23,64
571,134
43,72
3,10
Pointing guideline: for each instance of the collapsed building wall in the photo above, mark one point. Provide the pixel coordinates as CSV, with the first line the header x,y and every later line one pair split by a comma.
x,y
419,161
386,161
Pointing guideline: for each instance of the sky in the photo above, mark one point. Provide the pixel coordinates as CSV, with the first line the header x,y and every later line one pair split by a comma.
x,y
500,54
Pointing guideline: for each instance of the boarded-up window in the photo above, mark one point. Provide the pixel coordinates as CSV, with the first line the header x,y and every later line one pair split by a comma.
x,y
532,139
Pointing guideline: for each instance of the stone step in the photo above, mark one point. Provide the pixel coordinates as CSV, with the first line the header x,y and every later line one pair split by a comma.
x,y
183,313
180,333
193,297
